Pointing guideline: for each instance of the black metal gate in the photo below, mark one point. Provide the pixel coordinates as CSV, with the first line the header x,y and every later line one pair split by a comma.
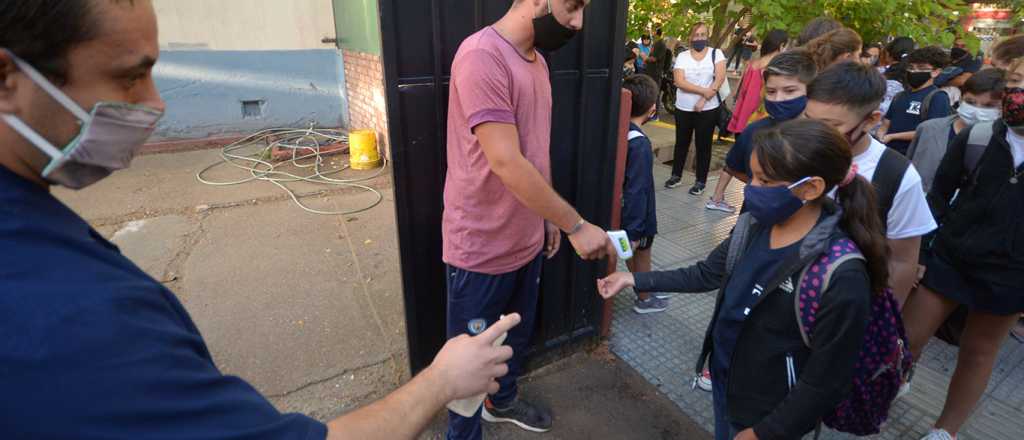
x,y
420,38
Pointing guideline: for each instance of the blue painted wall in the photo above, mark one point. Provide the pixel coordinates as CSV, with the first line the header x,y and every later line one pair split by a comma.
x,y
205,91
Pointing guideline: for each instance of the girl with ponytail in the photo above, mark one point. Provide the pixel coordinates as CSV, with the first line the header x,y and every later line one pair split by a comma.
x,y
770,380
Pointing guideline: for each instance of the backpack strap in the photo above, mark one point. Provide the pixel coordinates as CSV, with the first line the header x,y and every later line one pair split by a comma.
x,y
926,104
633,134
887,180
814,282
977,141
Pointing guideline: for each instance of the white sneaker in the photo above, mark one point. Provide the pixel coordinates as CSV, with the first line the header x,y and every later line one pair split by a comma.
x,y
939,434
720,206
704,382
904,390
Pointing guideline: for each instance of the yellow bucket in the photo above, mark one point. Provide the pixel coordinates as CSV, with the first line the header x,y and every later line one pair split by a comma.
x,y
363,150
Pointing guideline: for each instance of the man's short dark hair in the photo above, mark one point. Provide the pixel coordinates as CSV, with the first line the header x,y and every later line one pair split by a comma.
x,y
853,85
931,55
991,81
645,93
657,32
43,31
797,63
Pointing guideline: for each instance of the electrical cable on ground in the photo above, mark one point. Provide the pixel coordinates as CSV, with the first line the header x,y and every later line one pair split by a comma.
x,y
258,163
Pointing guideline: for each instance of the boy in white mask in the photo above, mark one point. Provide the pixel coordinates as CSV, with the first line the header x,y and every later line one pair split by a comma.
x,y
982,95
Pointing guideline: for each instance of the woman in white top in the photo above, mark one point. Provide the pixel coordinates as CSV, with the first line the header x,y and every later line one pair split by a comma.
x,y
698,73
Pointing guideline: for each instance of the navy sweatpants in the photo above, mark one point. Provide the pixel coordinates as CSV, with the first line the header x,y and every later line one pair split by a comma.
x,y
473,295
724,430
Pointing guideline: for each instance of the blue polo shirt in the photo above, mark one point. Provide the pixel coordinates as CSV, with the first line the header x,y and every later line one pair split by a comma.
x,y
904,113
738,157
93,348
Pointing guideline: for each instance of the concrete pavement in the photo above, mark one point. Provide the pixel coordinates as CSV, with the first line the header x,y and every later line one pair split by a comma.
x,y
307,308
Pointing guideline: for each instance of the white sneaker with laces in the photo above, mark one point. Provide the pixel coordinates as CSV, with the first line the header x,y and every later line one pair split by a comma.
x,y
939,434
704,382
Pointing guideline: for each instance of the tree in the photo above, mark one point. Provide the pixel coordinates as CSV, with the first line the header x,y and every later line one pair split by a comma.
x,y
927,21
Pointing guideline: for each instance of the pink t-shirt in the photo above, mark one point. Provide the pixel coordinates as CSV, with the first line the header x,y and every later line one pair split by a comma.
x,y
485,228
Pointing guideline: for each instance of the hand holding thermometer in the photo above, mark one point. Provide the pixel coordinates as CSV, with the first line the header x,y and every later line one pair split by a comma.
x,y
467,407
621,242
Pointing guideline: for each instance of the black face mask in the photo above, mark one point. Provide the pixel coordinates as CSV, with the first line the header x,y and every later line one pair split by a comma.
x,y
548,34
917,79
858,131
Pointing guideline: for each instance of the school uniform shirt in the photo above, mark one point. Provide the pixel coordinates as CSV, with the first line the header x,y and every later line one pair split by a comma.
x,y
93,348
745,287
910,215
738,157
639,212
1016,142
700,73
904,113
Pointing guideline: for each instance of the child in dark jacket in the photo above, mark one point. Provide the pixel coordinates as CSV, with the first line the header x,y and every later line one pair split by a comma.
x,y
639,215
768,383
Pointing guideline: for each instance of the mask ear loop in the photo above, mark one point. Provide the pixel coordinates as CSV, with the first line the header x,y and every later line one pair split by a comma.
x,y
33,137
22,128
49,88
799,182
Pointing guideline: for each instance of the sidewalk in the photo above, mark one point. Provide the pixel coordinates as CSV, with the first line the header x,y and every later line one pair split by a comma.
x,y
664,347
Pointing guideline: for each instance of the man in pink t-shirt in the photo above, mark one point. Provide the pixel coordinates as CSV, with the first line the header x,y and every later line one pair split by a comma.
x,y
501,215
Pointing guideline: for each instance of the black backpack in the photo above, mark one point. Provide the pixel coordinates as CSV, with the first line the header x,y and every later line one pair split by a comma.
x,y
887,180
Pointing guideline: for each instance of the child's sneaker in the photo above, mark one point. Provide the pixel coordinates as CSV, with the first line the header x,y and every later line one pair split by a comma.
x,y
704,382
720,206
652,304
939,434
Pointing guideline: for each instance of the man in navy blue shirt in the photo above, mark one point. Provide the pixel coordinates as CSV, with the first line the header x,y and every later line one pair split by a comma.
x,y
922,102
93,348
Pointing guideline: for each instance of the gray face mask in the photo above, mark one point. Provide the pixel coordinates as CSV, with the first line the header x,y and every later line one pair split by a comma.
x,y
109,138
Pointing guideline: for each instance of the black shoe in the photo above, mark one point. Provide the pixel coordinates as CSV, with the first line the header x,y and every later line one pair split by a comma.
x,y
698,189
521,413
673,182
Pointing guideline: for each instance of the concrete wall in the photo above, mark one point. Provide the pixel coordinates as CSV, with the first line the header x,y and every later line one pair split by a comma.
x,y
245,24
216,93
231,67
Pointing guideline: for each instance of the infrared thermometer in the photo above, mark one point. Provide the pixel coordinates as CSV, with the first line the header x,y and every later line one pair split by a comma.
x,y
621,242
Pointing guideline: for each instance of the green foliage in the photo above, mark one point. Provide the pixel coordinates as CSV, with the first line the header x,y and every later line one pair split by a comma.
x,y
926,21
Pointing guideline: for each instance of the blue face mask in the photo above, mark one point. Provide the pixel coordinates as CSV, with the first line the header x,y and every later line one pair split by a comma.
x,y
785,110
772,205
